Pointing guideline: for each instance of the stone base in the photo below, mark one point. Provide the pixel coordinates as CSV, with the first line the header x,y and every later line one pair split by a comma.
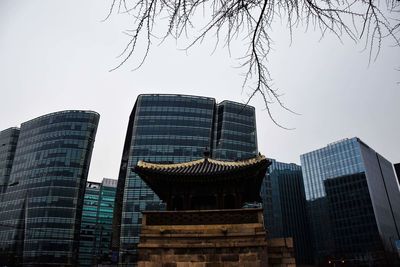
x,y
175,239
281,252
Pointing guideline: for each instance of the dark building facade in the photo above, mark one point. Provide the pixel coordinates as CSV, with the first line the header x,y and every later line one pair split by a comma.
x,y
397,169
40,213
8,145
285,213
351,214
96,225
351,189
173,129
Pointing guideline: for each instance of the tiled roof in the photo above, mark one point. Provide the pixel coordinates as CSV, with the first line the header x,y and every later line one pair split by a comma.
x,y
201,167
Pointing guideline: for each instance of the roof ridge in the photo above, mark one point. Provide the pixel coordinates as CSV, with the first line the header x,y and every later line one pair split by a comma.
x,y
195,163
145,164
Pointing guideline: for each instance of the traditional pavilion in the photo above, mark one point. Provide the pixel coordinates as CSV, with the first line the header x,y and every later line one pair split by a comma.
x,y
205,184
205,223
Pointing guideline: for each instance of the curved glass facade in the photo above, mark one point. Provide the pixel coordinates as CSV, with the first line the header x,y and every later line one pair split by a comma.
x,y
8,144
173,128
40,214
235,131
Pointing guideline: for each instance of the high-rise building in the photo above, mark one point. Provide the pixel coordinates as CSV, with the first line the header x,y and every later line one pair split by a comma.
x,y
8,144
87,240
173,129
235,131
96,225
284,202
41,208
353,201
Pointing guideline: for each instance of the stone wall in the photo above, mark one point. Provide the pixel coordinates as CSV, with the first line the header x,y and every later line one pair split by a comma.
x,y
174,239
204,245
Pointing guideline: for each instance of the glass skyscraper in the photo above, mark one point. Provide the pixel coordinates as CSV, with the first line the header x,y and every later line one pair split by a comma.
x,y
96,226
284,202
348,176
41,208
8,145
174,128
89,224
235,134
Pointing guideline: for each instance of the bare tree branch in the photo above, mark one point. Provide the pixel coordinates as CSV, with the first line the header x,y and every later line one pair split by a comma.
x,y
370,21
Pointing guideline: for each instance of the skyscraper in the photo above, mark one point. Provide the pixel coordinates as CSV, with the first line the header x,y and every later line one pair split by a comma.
x,y
353,201
87,240
174,128
284,202
96,225
41,208
8,144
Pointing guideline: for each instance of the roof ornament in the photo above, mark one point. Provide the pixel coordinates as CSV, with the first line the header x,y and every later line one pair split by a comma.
x,y
206,153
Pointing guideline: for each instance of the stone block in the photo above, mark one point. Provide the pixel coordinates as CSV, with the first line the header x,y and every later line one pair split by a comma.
x,y
168,258
155,258
213,257
289,242
184,258
248,257
229,257
277,242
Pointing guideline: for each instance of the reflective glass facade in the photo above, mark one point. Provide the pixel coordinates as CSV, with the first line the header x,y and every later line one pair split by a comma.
x,y
40,214
89,224
105,216
336,159
285,213
8,145
235,135
348,158
173,128
96,226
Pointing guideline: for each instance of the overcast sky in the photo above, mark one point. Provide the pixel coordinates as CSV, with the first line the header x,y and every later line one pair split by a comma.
x,y
56,55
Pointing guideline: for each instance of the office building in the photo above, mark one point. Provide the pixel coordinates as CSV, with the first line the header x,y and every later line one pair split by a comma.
x,y
174,129
89,224
353,201
96,225
41,208
8,144
285,213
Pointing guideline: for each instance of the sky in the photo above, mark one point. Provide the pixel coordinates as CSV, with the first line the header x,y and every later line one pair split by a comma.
x,y
56,55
